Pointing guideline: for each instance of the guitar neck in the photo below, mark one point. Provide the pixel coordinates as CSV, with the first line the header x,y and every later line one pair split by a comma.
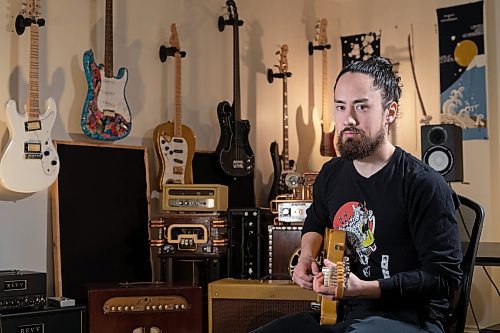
x,y
108,40
33,105
325,92
285,154
178,102
236,71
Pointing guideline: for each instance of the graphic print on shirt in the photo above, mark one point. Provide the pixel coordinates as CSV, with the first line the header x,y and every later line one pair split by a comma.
x,y
359,223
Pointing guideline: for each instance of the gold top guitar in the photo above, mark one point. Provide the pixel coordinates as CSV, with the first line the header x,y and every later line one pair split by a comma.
x,y
174,142
29,162
334,249
106,115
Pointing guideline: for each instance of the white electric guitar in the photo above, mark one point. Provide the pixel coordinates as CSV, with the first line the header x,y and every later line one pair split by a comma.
x,y
29,162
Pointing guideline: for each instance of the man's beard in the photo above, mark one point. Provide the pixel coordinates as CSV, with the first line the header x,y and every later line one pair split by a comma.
x,y
358,148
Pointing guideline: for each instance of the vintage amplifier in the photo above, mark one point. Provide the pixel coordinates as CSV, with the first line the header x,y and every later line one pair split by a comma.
x,y
190,234
247,252
284,250
146,307
195,197
290,211
50,319
22,289
240,306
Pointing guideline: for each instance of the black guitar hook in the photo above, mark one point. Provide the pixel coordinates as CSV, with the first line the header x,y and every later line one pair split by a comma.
x,y
312,47
169,52
271,75
23,22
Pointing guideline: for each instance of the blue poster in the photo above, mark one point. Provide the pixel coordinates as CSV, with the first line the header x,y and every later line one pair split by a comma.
x,y
462,65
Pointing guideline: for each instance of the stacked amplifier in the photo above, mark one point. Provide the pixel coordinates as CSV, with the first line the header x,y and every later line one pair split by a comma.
x,y
284,235
192,229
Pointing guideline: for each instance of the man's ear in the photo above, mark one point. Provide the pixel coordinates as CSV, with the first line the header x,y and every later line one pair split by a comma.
x,y
392,112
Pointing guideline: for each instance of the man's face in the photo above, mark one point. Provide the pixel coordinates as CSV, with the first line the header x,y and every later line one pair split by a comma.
x,y
359,116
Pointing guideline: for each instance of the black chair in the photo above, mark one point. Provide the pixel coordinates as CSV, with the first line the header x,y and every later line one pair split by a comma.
x,y
470,217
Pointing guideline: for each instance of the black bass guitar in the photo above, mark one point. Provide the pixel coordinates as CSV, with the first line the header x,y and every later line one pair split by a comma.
x,y
285,179
235,154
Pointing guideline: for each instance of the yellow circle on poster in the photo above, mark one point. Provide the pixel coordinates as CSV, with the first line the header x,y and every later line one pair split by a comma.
x,y
465,51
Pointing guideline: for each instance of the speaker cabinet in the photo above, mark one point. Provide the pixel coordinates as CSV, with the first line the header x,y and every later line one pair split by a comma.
x,y
248,242
240,306
49,319
145,308
442,150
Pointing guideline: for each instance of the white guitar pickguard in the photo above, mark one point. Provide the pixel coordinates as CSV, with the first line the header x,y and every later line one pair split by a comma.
x,y
174,151
29,162
111,98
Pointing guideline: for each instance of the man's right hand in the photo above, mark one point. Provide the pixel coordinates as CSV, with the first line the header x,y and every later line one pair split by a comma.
x,y
304,272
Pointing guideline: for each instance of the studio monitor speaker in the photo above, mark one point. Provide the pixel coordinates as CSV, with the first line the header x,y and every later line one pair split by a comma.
x,y
240,306
442,150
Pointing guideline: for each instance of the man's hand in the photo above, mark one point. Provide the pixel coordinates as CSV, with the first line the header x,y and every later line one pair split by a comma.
x,y
355,286
304,271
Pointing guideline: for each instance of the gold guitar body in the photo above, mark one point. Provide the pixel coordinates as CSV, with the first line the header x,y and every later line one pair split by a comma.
x,y
175,154
334,247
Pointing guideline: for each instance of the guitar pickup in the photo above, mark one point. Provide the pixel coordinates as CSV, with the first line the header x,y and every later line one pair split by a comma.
x,y
32,125
316,306
178,170
108,113
238,164
32,150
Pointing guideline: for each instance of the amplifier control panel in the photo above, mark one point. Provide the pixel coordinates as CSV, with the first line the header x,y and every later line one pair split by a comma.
x,y
146,304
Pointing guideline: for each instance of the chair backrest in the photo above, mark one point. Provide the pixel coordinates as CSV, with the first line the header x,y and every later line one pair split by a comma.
x,y
470,217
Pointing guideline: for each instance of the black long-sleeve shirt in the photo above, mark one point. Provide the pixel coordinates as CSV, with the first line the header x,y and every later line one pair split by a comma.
x,y
401,230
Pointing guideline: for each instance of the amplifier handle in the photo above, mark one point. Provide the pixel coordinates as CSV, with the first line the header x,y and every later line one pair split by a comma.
x,y
9,271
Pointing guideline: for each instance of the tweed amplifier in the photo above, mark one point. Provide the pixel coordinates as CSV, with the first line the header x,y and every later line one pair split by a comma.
x,y
240,306
147,307
191,234
22,289
195,197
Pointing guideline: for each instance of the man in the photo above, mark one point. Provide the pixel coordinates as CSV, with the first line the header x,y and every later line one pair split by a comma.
x,y
398,214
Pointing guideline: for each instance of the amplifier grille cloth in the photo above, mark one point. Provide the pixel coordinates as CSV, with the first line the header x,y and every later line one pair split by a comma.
x,y
245,315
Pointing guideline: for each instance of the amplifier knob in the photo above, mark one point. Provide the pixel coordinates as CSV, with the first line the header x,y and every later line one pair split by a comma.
x,y
132,308
176,306
183,306
148,308
113,308
119,308
126,308
154,307
160,307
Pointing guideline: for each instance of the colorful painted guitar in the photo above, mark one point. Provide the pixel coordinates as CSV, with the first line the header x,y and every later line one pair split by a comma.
x,y
235,154
106,115
285,179
174,142
29,162
334,249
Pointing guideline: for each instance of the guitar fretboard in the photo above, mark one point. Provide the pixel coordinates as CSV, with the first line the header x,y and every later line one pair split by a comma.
x,y
108,40
236,70
285,154
325,92
178,101
33,105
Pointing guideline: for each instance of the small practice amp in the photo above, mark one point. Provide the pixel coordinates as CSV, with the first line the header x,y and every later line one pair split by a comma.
x,y
240,306
248,239
22,289
148,307
195,197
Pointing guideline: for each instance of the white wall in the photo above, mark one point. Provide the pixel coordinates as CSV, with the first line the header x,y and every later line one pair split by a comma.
x,y
74,26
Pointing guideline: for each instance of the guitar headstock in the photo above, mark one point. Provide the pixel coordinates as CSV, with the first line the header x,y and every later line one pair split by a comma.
x,y
232,10
283,62
30,14
174,37
321,31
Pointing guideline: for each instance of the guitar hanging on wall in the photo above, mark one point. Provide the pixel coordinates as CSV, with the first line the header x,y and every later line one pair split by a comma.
x,y
106,115
174,142
29,162
235,154
327,143
285,179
